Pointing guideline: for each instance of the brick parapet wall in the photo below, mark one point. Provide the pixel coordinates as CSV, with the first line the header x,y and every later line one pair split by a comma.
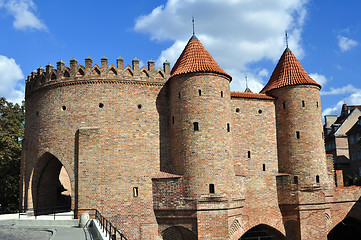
x,y
93,74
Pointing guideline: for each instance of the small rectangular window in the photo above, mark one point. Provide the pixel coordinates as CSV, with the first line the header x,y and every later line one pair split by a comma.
x,y
298,135
264,167
200,92
284,105
221,93
135,191
228,127
211,188
317,104
179,95
303,103
295,180
195,126
249,154
317,179
173,120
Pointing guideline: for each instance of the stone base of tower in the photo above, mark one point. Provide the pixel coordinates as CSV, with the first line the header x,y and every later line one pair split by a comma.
x,y
203,217
212,217
315,212
305,220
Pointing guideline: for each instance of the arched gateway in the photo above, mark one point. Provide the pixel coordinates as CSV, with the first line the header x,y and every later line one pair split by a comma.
x,y
50,187
262,232
178,233
349,228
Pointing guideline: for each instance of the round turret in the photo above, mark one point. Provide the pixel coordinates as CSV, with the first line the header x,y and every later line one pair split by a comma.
x,y
299,122
99,125
200,115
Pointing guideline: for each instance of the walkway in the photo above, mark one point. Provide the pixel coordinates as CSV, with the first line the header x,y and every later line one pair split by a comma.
x,y
19,229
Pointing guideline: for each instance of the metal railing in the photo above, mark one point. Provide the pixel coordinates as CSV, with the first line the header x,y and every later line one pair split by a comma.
x,y
110,230
108,227
53,211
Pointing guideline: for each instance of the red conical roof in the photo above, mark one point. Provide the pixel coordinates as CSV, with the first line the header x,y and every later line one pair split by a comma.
x,y
194,59
288,72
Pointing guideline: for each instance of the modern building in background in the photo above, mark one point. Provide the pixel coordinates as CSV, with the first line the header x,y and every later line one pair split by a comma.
x,y
354,144
174,154
342,144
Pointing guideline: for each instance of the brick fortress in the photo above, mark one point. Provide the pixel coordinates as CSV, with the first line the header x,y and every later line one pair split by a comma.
x,y
174,154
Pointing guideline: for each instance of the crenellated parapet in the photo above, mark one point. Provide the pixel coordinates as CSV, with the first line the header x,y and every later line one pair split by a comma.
x,y
79,74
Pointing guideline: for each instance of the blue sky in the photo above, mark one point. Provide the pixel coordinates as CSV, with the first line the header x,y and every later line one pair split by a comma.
x,y
245,37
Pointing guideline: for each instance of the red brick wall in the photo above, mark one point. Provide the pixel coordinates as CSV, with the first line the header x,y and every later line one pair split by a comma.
x,y
301,154
304,157
204,157
255,131
107,150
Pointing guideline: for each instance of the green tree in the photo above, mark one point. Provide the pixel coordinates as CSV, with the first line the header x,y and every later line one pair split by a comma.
x,y
12,118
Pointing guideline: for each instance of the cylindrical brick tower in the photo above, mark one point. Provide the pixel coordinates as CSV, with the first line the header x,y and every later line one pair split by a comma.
x,y
299,122
105,126
201,122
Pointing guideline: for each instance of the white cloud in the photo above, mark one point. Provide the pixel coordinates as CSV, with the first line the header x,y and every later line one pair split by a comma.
x,y
334,110
10,74
319,78
23,13
345,43
353,99
254,79
236,33
171,54
343,90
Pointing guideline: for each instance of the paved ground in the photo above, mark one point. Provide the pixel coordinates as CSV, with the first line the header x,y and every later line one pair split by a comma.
x,y
65,233
16,232
11,233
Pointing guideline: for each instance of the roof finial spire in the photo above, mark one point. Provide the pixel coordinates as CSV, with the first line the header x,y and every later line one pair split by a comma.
x,y
193,23
286,38
246,81
247,89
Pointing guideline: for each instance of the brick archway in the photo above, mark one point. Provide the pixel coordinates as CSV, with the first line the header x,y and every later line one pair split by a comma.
x,y
50,186
244,226
178,233
348,228
263,232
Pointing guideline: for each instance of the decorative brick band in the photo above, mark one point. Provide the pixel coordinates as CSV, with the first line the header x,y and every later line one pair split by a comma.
x,y
97,81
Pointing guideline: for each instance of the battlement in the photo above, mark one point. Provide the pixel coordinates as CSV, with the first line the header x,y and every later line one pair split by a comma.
x,y
89,73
